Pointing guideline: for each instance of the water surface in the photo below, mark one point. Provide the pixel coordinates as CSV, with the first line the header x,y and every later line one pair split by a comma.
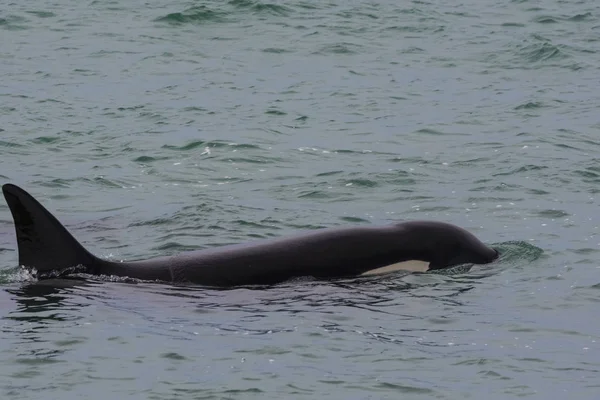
x,y
155,128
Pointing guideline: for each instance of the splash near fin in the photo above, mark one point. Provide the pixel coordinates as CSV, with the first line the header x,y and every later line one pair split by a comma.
x,y
43,242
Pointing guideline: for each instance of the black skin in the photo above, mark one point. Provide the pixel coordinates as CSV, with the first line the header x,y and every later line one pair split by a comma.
x,y
46,245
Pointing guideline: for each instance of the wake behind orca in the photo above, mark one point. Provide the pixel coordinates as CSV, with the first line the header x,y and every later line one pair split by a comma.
x,y
45,245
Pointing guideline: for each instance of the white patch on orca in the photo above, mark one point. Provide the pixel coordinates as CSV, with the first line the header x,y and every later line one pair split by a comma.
x,y
410,265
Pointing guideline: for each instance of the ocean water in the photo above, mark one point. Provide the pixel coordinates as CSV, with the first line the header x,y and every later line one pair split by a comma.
x,y
151,128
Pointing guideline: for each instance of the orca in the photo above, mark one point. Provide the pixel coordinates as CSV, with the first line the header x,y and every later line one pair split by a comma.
x,y
45,246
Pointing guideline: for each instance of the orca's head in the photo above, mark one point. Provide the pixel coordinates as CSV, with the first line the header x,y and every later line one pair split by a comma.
x,y
450,245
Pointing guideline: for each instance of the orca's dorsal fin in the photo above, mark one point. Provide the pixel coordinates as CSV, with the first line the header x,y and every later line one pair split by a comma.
x,y
43,242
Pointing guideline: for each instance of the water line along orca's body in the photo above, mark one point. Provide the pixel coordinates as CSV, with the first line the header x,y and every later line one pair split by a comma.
x,y
45,245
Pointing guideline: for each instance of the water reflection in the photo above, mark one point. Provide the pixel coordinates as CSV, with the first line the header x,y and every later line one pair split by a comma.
x,y
45,300
34,330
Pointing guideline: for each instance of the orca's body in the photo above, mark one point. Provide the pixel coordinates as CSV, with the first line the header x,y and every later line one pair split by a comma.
x,y
46,245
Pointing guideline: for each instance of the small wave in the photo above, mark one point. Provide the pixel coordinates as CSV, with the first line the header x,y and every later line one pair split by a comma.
x,y
174,247
417,28
9,144
354,220
530,105
45,140
185,147
580,17
329,173
194,15
276,50
407,389
521,169
316,194
340,48
552,19
154,222
360,183
212,144
148,159
96,181
13,23
539,52
252,224
54,183
427,131
355,13
589,175
543,19
257,160
261,8
275,112
42,14
517,252
553,214
173,356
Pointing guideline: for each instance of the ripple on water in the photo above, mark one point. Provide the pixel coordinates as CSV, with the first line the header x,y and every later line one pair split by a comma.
x,y
194,15
42,14
260,7
13,23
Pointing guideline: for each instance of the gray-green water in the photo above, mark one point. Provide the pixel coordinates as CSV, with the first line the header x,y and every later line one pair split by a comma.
x,y
151,128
